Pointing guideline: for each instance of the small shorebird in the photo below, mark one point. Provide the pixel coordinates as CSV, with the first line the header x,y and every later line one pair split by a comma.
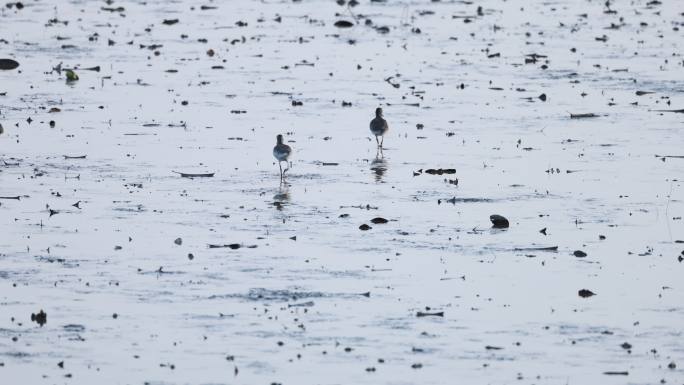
x,y
282,152
379,127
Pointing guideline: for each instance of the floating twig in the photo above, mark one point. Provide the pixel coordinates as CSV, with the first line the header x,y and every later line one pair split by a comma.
x,y
426,314
583,116
190,175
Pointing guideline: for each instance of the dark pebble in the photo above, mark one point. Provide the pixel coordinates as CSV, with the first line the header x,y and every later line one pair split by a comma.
x,y
579,254
343,24
8,64
498,221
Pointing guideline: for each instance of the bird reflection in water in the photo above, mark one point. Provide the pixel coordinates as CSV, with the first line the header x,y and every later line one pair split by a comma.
x,y
282,197
379,166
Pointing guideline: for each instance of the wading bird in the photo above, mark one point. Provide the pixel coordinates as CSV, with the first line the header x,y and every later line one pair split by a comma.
x,y
379,127
281,152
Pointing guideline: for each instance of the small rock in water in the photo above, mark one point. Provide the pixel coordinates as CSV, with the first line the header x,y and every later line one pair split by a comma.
x,y
71,76
40,318
178,241
626,346
672,365
498,221
364,227
1,129
584,293
8,64
379,220
579,254
344,24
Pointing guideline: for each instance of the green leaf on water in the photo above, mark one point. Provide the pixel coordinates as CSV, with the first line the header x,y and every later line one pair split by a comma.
x,y
71,76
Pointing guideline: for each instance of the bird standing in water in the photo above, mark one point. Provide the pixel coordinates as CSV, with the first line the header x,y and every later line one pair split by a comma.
x,y
281,152
379,127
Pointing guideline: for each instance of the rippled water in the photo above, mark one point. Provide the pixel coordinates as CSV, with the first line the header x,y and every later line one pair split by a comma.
x,y
307,297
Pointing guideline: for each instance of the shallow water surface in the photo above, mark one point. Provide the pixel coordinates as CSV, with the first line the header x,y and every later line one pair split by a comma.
x,y
148,277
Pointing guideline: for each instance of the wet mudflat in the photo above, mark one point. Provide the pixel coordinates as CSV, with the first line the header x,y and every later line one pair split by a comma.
x,y
522,225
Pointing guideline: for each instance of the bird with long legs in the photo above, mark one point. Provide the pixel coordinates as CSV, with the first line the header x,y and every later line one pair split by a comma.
x,y
282,152
379,127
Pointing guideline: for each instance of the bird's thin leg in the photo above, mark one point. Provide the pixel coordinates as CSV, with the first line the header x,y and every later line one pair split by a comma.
x,y
381,142
377,141
281,170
